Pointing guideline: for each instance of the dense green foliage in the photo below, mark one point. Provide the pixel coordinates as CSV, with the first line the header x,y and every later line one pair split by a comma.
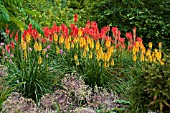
x,y
150,17
151,88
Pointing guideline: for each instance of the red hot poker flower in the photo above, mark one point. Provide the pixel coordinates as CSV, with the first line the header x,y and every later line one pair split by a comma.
x,y
16,37
12,45
75,18
139,39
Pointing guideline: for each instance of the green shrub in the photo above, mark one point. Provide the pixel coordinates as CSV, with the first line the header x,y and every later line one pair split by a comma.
x,y
151,89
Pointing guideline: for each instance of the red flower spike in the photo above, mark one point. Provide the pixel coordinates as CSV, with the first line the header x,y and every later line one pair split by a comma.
x,y
16,37
7,31
7,47
139,39
12,45
75,18
51,39
44,40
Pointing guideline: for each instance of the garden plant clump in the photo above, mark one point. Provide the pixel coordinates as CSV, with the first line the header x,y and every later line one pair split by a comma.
x,y
39,61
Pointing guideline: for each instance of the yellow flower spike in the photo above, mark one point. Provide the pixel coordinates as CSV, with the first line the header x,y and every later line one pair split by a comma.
x,y
43,52
39,47
79,32
92,44
86,47
158,56
77,45
77,63
105,64
150,45
23,45
108,43
36,46
97,45
25,54
72,45
67,44
137,49
111,49
161,62
148,52
156,50
99,64
105,57
142,57
57,50
61,40
98,55
75,40
101,50
108,56
108,64
75,56
47,67
112,62
160,44
90,55
150,58
84,53
154,59
39,60
153,54
28,38
134,58
137,44
134,51
88,40
143,50
55,37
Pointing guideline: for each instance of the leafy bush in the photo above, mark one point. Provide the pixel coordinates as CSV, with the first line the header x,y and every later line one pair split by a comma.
x,y
152,23
150,88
